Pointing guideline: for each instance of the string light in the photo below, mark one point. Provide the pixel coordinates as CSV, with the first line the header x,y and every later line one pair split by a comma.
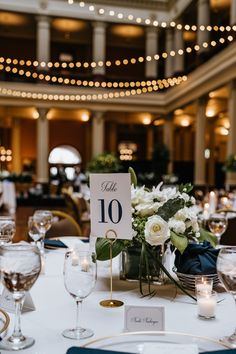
x,y
153,22
108,63
90,97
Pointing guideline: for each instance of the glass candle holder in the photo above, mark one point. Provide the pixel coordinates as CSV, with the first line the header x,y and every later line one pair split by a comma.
x,y
206,305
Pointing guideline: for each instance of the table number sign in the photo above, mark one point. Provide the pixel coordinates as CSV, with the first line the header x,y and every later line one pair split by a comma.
x,y
144,318
7,302
111,205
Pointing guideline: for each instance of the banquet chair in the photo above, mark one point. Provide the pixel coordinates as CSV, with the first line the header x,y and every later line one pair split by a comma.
x,y
65,225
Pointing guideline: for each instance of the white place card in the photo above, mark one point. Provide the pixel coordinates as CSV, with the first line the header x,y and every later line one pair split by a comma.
x,y
7,302
144,318
110,205
169,348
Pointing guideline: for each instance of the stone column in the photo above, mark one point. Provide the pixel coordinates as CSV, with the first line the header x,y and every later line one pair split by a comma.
x,y
179,44
151,49
42,146
99,46
233,12
168,139
113,138
97,133
203,19
231,144
211,160
43,39
200,163
169,61
16,146
150,142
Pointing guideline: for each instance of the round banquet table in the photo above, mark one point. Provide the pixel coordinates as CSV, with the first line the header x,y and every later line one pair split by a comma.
x,y
55,308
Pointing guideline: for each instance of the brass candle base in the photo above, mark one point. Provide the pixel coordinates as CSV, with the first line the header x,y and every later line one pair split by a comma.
x,y
111,303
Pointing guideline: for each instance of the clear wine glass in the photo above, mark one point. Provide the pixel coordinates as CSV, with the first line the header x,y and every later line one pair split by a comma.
x,y
7,229
43,222
33,230
217,224
226,269
80,274
20,266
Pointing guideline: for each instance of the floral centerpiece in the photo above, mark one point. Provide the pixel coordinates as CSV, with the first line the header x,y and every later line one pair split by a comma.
x,y
230,164
160,216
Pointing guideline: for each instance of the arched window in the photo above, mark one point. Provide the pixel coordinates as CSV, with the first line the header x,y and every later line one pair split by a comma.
x,y
64,155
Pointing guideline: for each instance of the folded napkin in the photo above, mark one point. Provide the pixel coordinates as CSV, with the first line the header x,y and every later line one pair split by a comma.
x,y
79,350
224,351
197,259
54,244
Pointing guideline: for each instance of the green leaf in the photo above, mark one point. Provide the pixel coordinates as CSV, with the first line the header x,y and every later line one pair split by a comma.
x,y
133,176
103,248
170,208
207,236
185,188
179,241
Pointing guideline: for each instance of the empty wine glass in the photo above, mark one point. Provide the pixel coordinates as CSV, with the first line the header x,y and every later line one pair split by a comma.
x,y
33,230
7,229
20,266
226,269
43,222
80,274
217,224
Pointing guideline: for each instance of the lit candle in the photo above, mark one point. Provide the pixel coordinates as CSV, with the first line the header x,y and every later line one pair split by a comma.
x,y
203,285
212,202
206,304
206,211
75,259
84,265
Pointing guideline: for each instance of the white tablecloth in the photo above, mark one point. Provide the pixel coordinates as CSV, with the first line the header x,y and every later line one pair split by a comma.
x,y
55,309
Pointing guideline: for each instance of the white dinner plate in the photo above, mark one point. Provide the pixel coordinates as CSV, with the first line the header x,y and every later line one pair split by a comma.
x,y
133,342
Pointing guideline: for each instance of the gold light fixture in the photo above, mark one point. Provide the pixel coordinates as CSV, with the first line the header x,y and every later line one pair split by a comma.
x,y
12,19
127,31
68,25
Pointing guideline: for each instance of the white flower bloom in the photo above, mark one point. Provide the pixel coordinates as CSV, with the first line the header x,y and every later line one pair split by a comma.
x,y
164,194
185,197
147,209
138,195
177,226
156,230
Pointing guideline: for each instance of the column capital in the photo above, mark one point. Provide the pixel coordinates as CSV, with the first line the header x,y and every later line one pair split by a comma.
x,y
201,2
151,31
99,25
98,115
42,113
202,101
43,19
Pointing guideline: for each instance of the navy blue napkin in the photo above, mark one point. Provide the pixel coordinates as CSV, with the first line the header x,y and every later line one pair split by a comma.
x,y
224,351
54,243
197,259
79,350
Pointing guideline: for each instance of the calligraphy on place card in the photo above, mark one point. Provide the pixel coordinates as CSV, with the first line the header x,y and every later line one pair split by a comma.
x,y
144,318
110,204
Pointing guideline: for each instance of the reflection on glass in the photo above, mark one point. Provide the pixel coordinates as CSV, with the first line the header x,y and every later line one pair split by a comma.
x,y
7,229
217,224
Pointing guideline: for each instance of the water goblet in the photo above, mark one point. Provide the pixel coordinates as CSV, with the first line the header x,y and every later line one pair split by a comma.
x,y
7,229
217,224
226,269
80,274
43,222
20,266
33,230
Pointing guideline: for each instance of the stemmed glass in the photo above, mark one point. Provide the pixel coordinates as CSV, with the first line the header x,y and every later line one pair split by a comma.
x,y
43,222
33,231
217,224
20,266
226,269
80,274
7,229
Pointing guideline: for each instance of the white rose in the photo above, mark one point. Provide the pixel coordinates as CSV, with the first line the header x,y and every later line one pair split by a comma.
x,y
156,230
177,226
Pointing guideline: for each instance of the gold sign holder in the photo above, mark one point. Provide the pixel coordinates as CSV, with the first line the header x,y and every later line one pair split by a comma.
x,y
111,302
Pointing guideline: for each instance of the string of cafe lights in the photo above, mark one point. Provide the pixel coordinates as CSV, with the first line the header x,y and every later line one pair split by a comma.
x,y
88,97
151,22
5,64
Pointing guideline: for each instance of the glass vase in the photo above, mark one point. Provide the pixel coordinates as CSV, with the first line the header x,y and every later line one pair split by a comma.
x,y
146,267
